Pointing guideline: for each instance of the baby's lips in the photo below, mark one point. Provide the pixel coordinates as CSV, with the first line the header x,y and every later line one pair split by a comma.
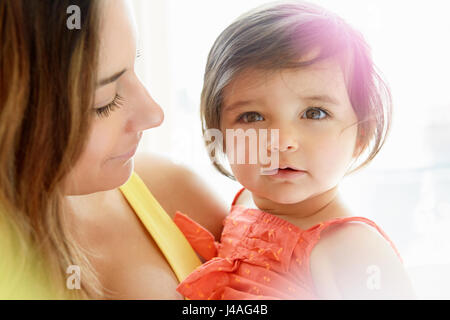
x,y
266,172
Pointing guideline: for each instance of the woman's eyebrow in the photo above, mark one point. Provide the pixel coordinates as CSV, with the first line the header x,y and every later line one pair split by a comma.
x,y
110,79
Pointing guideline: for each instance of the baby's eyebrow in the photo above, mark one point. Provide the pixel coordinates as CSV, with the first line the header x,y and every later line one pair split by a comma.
x,y
321,98
316,97
238,104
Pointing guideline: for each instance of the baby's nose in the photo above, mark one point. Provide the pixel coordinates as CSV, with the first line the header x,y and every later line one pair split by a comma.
x,y
284,142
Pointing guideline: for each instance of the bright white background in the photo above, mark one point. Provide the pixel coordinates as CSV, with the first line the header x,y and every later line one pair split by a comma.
x,y
406,189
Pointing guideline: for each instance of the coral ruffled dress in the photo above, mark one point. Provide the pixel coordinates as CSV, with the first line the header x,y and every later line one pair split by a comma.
x,y
260,256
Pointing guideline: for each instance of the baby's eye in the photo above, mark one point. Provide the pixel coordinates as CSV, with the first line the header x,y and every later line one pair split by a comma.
x,y
250,117
315,114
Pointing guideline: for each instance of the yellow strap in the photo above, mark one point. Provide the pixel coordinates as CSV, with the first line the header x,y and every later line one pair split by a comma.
x,y
170,240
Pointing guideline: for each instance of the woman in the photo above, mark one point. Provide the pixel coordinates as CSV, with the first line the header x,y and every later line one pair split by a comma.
x,y
72,114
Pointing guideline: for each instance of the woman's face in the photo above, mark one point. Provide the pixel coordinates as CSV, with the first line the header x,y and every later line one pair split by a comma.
x,y
123,108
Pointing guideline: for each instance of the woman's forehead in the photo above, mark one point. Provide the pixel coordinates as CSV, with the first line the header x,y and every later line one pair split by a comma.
x,y
118,35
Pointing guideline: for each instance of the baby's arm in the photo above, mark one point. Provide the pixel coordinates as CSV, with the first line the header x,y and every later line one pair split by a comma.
x,y
353,261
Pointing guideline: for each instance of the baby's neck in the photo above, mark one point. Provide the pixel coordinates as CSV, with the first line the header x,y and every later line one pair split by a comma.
x,y
307,213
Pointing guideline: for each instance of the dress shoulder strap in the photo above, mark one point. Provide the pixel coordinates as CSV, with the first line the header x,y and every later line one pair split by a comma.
x,y
236,197
170,240
316,230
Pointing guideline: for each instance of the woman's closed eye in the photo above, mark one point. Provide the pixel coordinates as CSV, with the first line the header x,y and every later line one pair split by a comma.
x,y
105,111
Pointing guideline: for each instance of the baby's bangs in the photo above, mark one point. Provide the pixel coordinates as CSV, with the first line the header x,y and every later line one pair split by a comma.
x,y
314,38
329,37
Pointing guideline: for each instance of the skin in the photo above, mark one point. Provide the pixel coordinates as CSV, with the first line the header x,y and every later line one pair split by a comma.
x,y
128,262
98,168
323,146
304,141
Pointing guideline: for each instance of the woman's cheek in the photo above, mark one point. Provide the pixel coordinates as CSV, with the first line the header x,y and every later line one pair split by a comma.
x,y
100,144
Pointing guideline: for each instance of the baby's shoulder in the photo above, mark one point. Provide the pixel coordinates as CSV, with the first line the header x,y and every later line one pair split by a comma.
x,y
350,253
351,235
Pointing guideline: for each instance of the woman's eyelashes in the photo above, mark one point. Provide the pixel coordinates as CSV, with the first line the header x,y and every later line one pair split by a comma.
x,y
105,111
138,53
313,113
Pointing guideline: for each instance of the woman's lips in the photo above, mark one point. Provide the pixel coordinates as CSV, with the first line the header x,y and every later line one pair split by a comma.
x,y
127,155
286,174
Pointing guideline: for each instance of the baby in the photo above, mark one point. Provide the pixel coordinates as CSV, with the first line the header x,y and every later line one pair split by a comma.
x,y
304,77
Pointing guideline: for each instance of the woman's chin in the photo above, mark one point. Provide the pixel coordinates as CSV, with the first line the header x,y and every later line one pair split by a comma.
x,y
121,174
109,178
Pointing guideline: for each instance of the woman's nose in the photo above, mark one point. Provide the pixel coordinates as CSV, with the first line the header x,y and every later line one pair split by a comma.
x,y
155,114
148,113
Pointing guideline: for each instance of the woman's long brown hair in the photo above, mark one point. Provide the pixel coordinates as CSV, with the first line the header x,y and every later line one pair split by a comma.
x,y
47,83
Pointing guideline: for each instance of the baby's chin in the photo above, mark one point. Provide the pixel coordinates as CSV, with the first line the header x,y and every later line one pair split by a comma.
x,y
281,196
286,199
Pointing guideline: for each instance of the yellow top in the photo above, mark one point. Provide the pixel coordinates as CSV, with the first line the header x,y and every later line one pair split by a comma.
x,y
175,247
24,276
22,271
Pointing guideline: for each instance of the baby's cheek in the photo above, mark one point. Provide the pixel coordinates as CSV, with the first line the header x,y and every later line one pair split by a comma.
x,y
331,160
246,174
242,149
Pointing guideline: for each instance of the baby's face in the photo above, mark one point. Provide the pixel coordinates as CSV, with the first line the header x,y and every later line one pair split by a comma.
x,y
317,129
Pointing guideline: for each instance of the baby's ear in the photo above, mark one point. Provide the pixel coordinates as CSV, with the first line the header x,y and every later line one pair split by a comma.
x,y
358,148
